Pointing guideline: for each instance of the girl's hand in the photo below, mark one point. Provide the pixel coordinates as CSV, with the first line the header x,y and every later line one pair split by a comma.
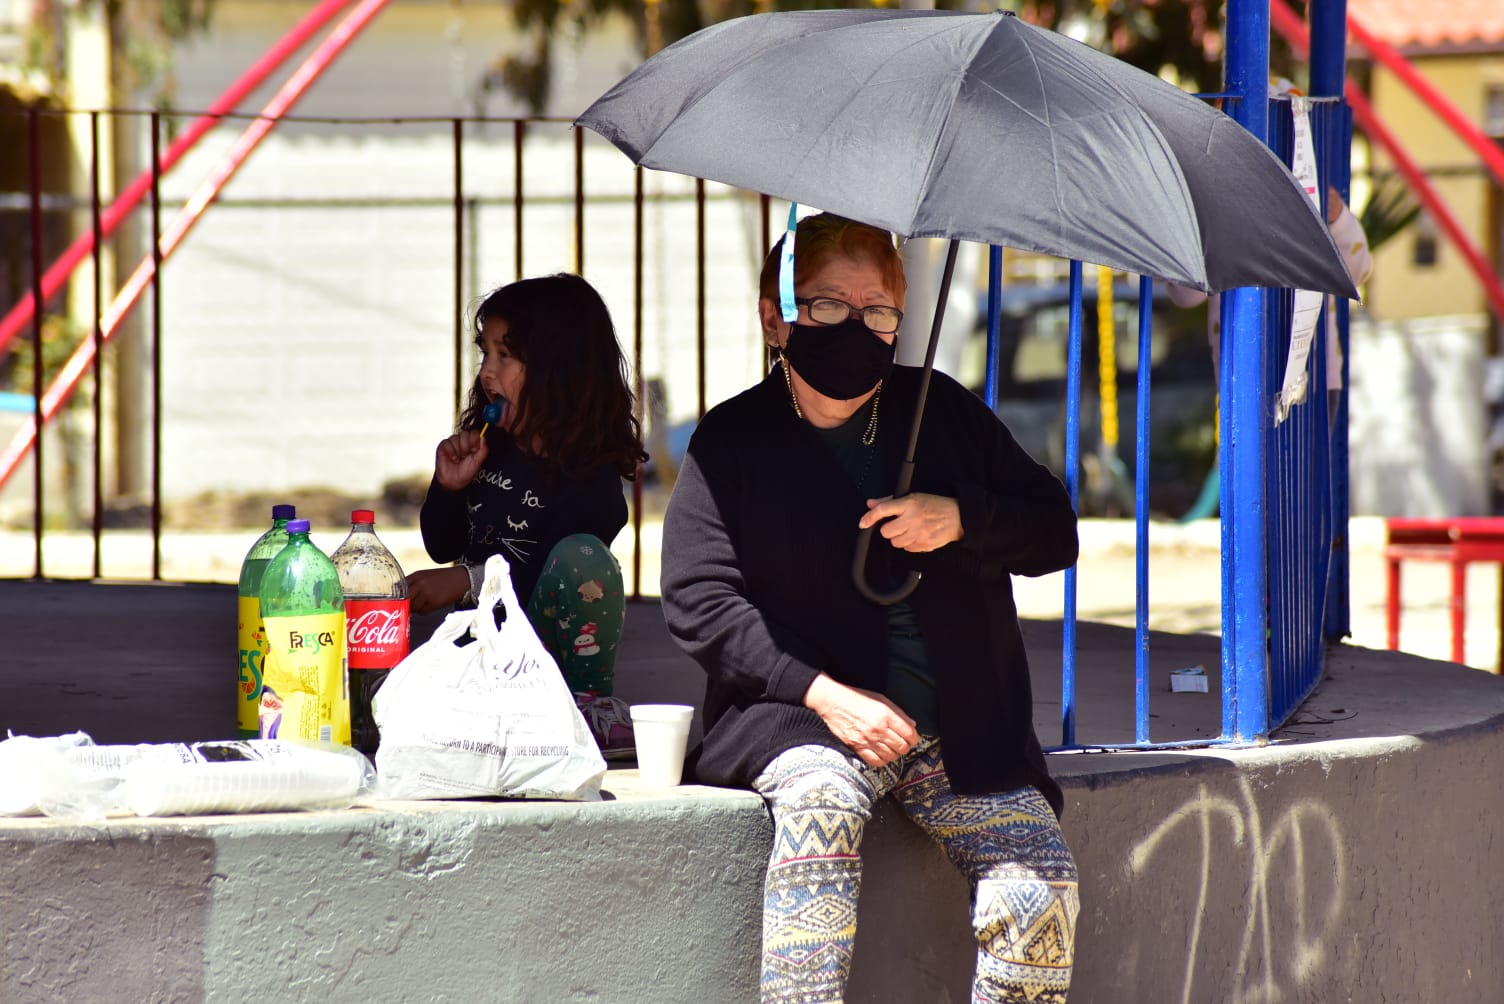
x,y
876,729
458,458
436,588
919,522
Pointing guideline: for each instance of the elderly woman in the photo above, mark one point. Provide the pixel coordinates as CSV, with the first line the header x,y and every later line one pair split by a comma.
x,y
825,702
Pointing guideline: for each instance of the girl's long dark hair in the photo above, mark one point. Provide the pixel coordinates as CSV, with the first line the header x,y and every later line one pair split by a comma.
x,y
575,412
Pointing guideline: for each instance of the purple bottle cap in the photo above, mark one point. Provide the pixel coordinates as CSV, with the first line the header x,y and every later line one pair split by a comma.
x,y
284,511
297,526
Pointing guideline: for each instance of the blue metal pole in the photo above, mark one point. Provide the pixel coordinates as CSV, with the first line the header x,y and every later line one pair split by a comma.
x,y
1141,512
1073,486
1328,79
994,324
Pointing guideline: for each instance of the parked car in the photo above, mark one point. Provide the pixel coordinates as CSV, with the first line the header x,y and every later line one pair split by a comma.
x,y
1032,391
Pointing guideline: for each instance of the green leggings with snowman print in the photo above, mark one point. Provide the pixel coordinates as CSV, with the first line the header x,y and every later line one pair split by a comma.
x,y
577,609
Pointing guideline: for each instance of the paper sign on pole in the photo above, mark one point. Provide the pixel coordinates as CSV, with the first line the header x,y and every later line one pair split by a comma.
x,y
1307,304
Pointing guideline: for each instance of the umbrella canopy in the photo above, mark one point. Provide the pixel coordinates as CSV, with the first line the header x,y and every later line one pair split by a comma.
x,y
975,127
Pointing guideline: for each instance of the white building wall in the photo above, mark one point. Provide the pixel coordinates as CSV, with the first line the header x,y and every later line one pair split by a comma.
x,y
1417,434
311,344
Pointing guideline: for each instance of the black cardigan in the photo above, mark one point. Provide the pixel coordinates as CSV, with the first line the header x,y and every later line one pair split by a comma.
x,y
757,548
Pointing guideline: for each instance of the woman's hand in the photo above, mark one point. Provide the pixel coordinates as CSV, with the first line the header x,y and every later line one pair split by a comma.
x,y
436,588
919,522
458,458
876,729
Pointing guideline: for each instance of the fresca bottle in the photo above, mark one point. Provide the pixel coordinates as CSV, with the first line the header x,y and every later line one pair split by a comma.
x,y
252,631
378,629
303,692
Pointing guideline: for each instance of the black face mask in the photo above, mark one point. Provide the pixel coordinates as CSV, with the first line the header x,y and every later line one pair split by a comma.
x,y
841,361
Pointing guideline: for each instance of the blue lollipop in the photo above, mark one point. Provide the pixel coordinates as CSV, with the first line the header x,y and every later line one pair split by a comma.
x,y
490,416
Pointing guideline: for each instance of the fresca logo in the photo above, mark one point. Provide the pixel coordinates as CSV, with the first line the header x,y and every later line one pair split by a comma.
x,y
311,642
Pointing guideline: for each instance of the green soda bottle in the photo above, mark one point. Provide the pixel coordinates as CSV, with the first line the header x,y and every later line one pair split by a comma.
x,y
252,631
304,694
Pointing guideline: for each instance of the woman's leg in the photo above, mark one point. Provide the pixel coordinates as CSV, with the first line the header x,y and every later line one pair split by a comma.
x,y
577,609
1022,876
820,799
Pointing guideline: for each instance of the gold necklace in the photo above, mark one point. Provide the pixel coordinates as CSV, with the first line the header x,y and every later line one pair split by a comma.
x,y
868,437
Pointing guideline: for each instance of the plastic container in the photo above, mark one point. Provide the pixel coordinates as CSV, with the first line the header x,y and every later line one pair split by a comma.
x,y
252,632
662,735
378,620
304,694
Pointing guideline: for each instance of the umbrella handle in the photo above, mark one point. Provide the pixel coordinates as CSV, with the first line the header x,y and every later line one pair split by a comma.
x,y
859,574
906,469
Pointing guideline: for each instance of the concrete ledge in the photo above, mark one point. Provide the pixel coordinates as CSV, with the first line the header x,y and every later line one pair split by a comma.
x,y
1351,860
1346,870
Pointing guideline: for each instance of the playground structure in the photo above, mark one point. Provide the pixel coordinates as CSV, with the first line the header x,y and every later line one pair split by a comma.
x,y
1250,546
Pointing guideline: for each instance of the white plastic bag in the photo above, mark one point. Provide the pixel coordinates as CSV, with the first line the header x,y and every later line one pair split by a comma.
x,y
491,717
68,777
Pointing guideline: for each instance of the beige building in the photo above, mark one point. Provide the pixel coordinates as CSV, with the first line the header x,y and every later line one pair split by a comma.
x,y
1458,46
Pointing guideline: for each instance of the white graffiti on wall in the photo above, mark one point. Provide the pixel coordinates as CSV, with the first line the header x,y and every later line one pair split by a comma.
x,y
1294,894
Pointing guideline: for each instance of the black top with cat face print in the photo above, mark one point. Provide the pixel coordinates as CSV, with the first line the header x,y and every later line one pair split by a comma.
x,y
515,509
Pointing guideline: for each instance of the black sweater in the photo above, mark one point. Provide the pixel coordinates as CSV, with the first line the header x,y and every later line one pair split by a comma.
x,y
757,548
514,508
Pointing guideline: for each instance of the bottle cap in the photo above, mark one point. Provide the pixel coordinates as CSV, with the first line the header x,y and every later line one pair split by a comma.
x,y
297,526
284,511
362,516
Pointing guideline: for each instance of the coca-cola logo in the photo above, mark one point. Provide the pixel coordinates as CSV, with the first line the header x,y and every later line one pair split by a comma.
x,y
377,627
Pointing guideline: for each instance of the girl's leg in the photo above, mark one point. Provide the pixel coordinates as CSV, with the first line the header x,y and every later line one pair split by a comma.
x,y
820,799
577,609
1023,881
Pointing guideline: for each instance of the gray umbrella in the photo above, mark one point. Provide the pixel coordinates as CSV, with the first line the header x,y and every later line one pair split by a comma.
x,y
974,127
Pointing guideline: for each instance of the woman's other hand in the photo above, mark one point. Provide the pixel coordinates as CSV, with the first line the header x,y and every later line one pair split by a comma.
x,y
918,522
435,588
458,458
876,729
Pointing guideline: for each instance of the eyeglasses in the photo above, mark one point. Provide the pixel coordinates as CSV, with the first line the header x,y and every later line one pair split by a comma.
x,y
825,310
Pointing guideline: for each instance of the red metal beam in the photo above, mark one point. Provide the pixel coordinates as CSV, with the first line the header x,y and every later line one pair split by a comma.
x,y
1485,148
130,197
290,92
1288,23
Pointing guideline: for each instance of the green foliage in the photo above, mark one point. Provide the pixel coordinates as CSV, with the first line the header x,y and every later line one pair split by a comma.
x,y
1390,209
60,337
143,33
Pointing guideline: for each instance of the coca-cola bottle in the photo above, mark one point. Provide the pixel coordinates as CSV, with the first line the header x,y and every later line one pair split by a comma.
x,y
377,622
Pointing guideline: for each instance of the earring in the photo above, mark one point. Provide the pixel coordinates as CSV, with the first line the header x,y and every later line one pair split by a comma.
x,y
789,381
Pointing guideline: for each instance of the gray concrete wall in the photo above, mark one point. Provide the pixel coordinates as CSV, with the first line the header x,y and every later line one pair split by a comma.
x,y
1343,870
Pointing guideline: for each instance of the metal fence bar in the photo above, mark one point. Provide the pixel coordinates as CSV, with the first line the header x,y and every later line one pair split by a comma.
x,y
459,261
519,127
1073,487
1245,657
579,201
1141,512
700,296
993,380
156,346
34,165
637,362
96,226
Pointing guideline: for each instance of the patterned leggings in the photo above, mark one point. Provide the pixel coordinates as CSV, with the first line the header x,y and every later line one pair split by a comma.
x,y
1009,846
577,608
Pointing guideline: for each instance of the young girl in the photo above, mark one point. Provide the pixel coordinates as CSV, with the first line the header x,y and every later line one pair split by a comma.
x,y
543,484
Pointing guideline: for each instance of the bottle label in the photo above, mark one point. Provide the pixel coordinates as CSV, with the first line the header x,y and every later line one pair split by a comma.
x,y
252,656
304,695
379,632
